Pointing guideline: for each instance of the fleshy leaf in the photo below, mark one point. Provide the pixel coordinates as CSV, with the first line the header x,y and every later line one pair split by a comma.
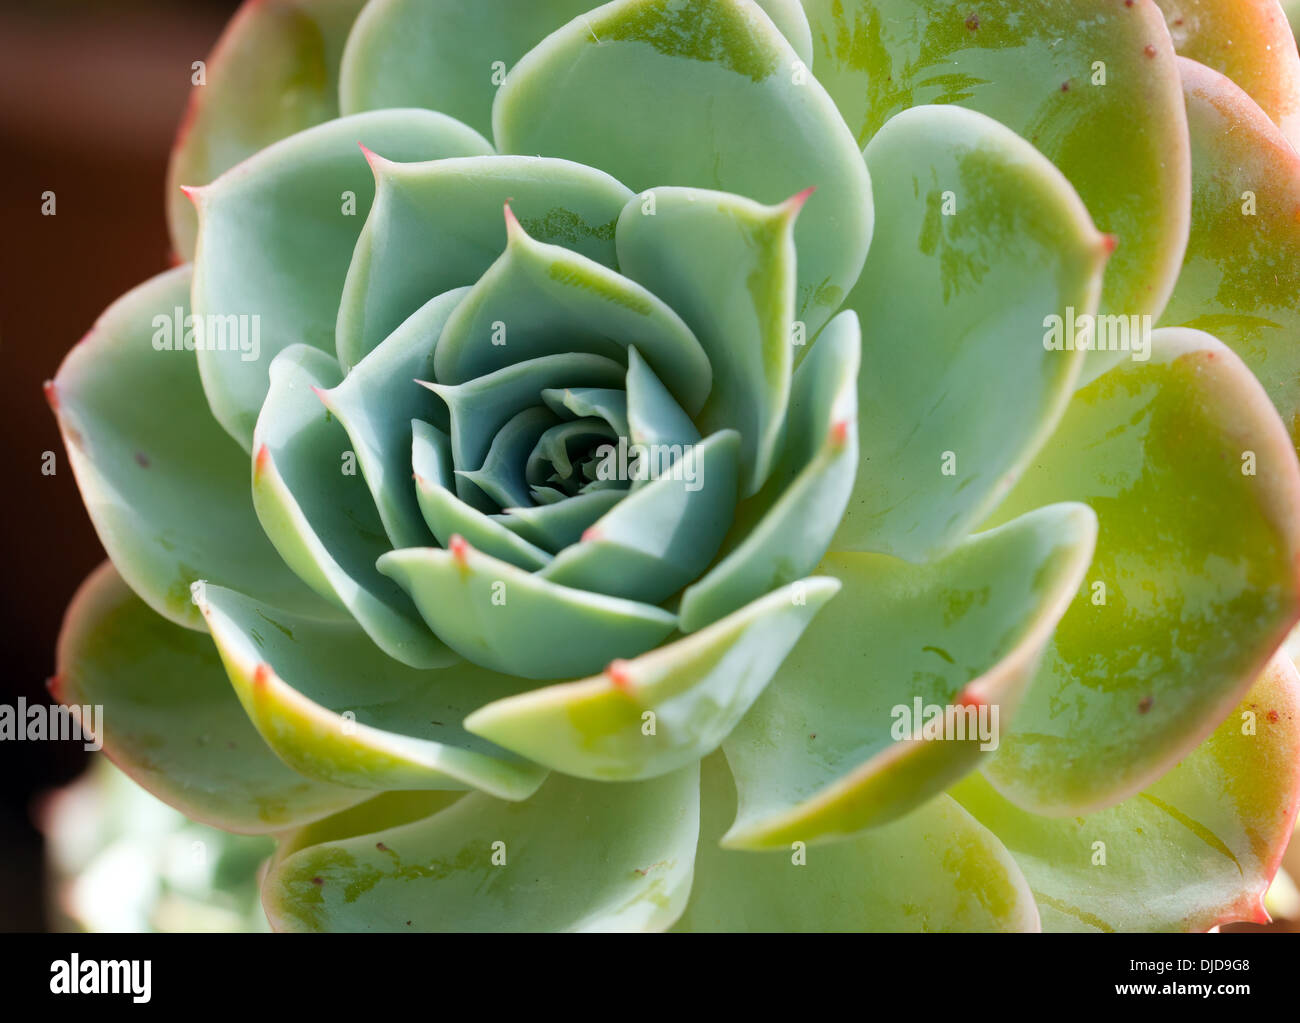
x,y
937,869
841,740
654,419
537,297
1242,272
614,857
436,226
276,235
164,485
273,72
376,403
727,266
705,94
659,538
505,619
1251,42
692,691
447,515
1195,850
335,708
981,242
322,520
445,55
1193,584
781,533
481,406
1092,84
556,526
170,719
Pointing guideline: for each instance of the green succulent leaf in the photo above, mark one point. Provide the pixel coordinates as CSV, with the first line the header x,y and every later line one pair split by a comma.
x,y
273,72
436,226
1193,584
321,519
936,869
836,743
482,405
656,540
614,857
376,404
1195,850
658,712
276,235
781,533
726,265
443,54
537,296
704,94
654,419
333,707
1091,83
1250,43
1242,273
164,485
170,719
556,526
448,516
982,241
506,619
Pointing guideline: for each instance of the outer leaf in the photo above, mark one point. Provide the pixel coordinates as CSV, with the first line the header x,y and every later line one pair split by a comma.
x,y
614,857
727,266
693,692
937,869
164,485
1242,272
276,238
443,54
376,403
782,532
656,540
1193,586
706,94
436,226
1032,65
1195,850
538,300
273,72
320,519
333,707
505,619
821,755
169,718
982,241
1251,42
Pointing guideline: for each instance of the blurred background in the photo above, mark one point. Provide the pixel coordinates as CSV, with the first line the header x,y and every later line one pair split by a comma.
x,y
91,92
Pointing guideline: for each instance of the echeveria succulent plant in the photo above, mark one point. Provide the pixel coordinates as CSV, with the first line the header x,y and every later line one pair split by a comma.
x,y
666,511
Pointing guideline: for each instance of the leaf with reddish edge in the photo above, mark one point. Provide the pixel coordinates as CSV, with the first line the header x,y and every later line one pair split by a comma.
x,y
1034,66
1194,584
1250,41
273,72
170,719
1195,850
1241,277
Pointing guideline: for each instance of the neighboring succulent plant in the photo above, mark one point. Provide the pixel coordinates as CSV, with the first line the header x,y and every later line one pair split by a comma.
x,y
671,705
121,861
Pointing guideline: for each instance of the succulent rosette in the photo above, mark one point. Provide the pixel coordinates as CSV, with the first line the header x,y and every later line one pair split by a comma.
x,y
685,463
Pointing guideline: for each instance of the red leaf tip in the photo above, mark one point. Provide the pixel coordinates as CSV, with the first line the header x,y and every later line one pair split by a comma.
x,y
262,460
1109,243
459,548
620,675
51,395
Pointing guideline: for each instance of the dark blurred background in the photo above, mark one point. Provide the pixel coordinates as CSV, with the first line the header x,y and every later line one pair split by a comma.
x,y
90,95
